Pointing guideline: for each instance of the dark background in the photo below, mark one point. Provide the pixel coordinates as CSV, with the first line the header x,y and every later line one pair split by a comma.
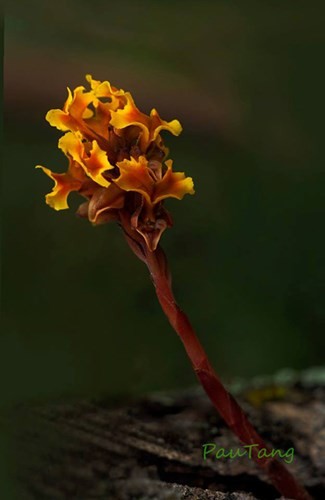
x,y
80,317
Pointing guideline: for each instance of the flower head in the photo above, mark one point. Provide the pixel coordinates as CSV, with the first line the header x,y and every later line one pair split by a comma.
x,y
117,161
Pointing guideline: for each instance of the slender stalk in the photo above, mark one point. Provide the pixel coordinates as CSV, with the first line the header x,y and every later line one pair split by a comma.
x,y
226,405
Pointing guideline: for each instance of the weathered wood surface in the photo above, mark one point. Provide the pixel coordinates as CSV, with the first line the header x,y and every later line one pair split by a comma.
x,y
152,448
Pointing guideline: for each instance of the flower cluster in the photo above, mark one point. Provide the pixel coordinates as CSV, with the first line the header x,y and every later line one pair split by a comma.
x,y
117,160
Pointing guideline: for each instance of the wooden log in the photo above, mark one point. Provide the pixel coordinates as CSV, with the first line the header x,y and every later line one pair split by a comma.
x,y
152,448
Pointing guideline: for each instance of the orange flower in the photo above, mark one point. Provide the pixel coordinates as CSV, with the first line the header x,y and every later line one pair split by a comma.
x,y
149,125
116,160
146,178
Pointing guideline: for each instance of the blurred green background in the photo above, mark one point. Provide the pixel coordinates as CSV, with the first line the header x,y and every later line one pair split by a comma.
x,y
80,317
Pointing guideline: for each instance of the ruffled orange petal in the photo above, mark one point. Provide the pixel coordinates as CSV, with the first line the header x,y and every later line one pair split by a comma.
x,y
150,125
74,110
71,145
68,101
60,119
98,121
135,176
97,164
130,115
64,184
116,97
172,185
94,164
157,124
103,89
80,101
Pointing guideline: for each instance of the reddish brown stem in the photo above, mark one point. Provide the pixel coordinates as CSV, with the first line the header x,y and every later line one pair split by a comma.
x,y
226,405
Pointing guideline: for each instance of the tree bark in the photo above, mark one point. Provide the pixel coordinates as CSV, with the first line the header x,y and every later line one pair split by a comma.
x,y
152,448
